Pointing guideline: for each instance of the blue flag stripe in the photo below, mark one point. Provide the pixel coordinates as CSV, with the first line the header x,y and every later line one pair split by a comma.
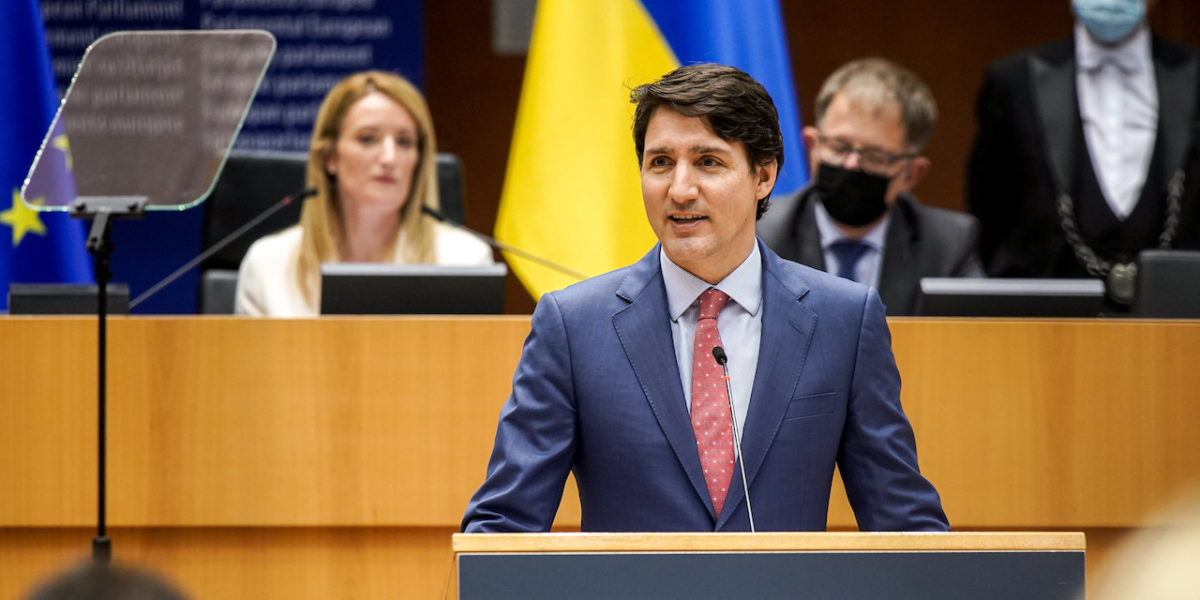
x,y
749,35
34,247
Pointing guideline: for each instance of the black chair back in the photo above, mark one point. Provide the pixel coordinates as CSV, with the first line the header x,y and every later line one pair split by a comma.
x,y
249,183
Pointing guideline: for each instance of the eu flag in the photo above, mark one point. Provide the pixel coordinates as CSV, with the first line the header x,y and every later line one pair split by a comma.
x,y
34,247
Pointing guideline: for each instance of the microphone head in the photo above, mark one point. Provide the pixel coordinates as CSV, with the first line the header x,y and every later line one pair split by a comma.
x,y
300,195
719,354
433,213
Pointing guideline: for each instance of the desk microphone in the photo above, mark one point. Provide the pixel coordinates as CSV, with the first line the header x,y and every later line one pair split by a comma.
x,y
296,196
501,246
719,354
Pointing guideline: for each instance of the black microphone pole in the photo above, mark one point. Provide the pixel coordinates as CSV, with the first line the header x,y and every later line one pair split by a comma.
x,y
501,246
264,215
719,354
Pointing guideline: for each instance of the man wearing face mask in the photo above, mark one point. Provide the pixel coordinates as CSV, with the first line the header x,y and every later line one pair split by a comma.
x,y
859,219
1082,154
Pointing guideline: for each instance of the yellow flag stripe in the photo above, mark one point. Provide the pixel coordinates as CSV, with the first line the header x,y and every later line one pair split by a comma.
x,y
572,190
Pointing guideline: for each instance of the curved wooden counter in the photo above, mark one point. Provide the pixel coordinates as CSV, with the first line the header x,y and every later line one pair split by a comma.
x,y
297,458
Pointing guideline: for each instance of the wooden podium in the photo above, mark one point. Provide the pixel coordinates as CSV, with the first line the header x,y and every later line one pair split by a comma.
x,y
720,566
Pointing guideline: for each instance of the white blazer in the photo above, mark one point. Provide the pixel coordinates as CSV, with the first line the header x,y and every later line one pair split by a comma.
x,y
267,278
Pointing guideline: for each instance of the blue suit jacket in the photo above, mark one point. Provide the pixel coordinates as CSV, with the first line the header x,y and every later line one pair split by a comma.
x,y
598,392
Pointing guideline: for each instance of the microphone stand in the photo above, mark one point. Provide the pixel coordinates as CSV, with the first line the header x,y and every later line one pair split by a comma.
x,y
503,247
233,235
102,211
722,359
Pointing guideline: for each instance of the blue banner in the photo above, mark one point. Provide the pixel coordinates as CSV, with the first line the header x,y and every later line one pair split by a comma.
x,y
34,247
319,43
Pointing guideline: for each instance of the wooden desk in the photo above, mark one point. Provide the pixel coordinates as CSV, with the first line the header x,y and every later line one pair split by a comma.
x,y
334,457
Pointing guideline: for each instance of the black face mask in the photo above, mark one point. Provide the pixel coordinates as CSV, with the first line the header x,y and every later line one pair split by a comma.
x,y
852,197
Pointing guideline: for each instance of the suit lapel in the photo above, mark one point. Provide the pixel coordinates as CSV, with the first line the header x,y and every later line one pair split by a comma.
x,y
787,333
898,272
1053,79
645,333
808,236
1176,80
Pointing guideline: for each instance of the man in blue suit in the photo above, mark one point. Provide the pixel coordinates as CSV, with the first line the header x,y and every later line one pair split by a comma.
x,y
617,381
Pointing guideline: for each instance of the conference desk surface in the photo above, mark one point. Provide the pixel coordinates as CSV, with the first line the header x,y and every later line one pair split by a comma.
x,y
348,447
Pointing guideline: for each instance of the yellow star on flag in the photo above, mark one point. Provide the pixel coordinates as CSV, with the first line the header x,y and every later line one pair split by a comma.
x,y
60,141
23,219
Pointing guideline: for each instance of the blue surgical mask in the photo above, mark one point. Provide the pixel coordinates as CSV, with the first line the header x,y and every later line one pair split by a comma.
x,y
1109,20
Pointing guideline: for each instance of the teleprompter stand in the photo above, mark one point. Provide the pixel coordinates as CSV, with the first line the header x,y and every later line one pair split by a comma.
x,y
102,211
150,117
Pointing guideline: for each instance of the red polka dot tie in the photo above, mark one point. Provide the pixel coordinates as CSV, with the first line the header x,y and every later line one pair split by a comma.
x,y
710,404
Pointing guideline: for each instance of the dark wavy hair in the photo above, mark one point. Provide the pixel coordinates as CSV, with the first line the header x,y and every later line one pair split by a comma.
x,y
732,103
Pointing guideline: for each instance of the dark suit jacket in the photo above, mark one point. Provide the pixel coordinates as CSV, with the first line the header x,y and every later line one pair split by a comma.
x,y
597,392
1029,147
921,241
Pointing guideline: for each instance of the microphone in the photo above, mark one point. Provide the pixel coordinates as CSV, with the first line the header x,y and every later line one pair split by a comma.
x,y
501,246
298,195
719,354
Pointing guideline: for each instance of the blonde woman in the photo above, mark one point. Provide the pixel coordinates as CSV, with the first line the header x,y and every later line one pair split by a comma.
x,y
373,164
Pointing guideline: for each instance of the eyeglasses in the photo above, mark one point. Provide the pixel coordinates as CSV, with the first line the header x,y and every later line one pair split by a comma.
x,y
837,150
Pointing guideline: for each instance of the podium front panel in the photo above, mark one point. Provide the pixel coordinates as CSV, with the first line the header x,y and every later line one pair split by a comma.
x,y
1041,575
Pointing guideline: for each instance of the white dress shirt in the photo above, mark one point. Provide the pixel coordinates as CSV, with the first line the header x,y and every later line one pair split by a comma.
x,y
867,270
1118,103
739,323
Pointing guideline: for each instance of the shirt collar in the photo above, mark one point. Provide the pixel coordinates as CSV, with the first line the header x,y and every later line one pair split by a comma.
x,y
743,285
1132,56
830,232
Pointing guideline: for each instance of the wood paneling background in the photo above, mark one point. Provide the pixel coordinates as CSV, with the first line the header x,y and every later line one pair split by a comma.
x,y
258,458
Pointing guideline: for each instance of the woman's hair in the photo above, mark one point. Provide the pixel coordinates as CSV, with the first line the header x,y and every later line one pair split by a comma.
x,y
321,218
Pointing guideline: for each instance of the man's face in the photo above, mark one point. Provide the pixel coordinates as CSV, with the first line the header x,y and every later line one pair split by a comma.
x,y
857,135
700,194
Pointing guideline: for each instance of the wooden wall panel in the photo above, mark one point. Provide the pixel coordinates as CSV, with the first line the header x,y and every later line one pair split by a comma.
x,y
1050,423
329,421
48,427
245,449
236,422
369,563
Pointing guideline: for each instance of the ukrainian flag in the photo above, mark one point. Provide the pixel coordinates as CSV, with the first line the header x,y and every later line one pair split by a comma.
x,y
35,247
572,191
